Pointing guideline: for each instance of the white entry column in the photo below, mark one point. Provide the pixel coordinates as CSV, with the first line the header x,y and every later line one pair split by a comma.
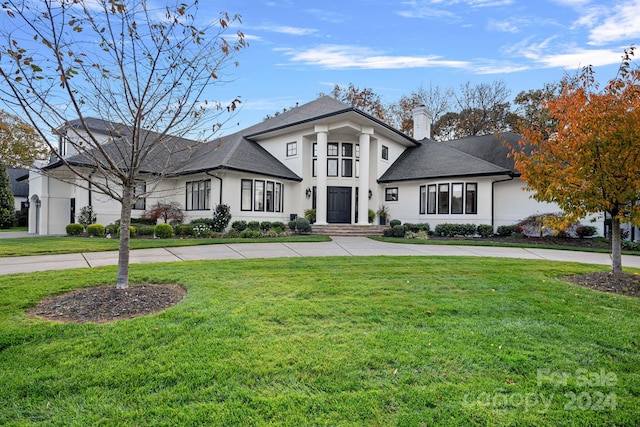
x,y
322,132
363,183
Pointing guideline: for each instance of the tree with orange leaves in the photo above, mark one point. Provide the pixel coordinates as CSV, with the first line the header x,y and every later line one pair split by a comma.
x,y
591,165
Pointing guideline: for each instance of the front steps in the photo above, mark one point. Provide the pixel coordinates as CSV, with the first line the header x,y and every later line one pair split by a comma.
x,y
347,230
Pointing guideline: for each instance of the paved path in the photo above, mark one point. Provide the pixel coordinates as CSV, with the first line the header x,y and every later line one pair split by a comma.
x,y
339,246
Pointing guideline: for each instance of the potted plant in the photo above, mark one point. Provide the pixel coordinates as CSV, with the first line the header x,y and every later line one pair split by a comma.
x,y
383,213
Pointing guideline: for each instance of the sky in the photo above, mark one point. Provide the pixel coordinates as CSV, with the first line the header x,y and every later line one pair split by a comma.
x,y
299,49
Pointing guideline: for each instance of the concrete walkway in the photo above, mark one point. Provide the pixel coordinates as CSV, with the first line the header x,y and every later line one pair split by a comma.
x,y
339,246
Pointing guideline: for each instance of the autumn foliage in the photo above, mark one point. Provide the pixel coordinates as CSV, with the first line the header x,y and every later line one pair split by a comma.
x,y
591,164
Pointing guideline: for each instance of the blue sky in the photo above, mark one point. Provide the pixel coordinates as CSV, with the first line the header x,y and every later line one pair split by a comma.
x,y
301,48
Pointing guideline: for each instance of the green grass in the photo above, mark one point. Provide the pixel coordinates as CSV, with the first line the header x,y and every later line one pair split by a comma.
x,y
51,245
505,244
373,341
13,229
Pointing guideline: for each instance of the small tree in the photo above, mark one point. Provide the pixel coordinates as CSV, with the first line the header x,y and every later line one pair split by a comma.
x,y
165,211
7,206
87,216
592,164
143,69
221,218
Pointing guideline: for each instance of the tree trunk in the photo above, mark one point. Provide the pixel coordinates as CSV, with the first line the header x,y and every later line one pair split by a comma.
x,y
616,245
125,237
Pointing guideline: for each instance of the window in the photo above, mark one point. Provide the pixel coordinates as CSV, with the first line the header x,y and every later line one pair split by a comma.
x,y
347,167
292,149
357,169
278,197
246,195
423,199
347,150
385,152
391,194
456,198
270,196
471,198
431,199
198,193
443,198
315,149
261,195
357,151
332,167
258,199
332,149
140,188
314,167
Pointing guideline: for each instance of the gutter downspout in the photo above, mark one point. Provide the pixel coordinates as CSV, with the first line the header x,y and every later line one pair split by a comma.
x,y
215,176
493,197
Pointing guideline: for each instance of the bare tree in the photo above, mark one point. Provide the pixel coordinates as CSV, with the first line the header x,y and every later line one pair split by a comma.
x,y
142,69
483,108
363,99
436,99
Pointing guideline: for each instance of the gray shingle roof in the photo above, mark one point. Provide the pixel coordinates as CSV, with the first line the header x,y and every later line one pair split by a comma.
x,y
19,188
490,148
433,160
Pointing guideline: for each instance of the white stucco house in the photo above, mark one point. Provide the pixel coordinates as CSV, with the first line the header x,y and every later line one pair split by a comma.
x,y
324,155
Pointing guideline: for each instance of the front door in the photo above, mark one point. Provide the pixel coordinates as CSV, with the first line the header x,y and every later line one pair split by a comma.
x,y
339,205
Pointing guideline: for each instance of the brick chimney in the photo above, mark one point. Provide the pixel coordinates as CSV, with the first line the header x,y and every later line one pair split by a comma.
x,y
421,123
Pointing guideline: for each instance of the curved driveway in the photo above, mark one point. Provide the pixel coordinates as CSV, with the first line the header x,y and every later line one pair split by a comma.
x,y
339,246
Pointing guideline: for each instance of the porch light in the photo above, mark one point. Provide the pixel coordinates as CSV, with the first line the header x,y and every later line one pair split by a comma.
x,y
307,192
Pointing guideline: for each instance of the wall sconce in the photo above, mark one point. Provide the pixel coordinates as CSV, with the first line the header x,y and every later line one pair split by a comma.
x,y
370,194
25,204
307,193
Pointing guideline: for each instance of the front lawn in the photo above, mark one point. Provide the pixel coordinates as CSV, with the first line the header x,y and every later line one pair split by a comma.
x,y
329,341
51,245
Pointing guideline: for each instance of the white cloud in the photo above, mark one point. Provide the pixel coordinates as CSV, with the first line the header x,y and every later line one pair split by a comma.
x,y
340,57
284,29
623,24
441,8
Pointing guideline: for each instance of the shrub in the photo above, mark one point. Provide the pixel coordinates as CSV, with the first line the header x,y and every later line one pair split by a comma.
x,y
87,216
233,233
310,215
394,222
201,230
420,235
416,228
276,230
206,221
292,225
75,229
303,225
253,225
163,231
184,230
96,230
506,230
112,229
278,224
630,246
250,233
265,225
371,215
485,230
398,230
239,225
147,230
387,232
221,218
452,230
586,231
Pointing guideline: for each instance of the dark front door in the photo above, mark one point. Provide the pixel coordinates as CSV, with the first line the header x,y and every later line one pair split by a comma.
x,y
339,205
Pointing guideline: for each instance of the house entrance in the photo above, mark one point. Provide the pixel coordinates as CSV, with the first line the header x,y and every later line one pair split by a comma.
x,y
339,205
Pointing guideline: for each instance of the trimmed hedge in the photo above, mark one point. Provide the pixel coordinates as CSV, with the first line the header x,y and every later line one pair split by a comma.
x,y
506,230
418,227
163,231
96,230
452,230
239,225
75,229
485,230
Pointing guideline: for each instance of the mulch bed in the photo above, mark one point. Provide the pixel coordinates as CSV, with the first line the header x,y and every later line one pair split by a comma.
x,y
615,283
106,303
